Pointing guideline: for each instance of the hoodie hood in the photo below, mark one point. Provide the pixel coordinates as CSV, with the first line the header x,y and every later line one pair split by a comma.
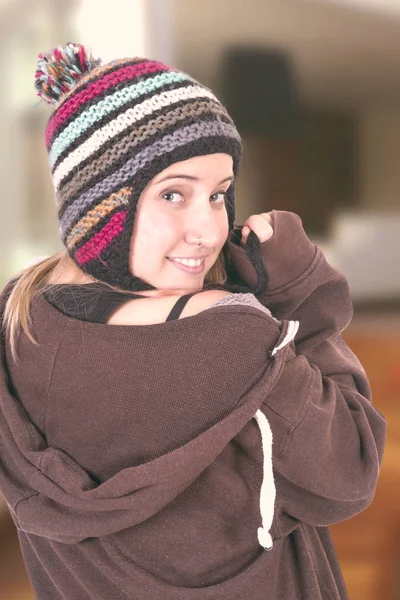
x,y
50,494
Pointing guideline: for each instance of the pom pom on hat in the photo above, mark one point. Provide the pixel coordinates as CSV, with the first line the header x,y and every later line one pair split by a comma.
x,y
59,70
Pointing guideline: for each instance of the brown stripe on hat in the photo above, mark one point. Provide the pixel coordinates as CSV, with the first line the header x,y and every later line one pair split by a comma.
x,y
135,137
95,215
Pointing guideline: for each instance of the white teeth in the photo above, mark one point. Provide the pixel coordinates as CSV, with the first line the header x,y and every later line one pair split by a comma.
x,y
189,262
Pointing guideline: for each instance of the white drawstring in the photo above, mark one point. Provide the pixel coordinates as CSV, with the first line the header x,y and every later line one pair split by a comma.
x,y
268,491
293,328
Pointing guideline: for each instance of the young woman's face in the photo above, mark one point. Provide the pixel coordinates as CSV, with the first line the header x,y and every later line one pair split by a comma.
x,y
184,201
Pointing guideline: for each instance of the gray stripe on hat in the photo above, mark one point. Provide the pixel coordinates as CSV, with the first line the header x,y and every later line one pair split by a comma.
x,y
148,132
142,159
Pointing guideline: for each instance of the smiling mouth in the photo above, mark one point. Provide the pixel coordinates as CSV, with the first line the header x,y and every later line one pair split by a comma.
x,y
189,262
194,266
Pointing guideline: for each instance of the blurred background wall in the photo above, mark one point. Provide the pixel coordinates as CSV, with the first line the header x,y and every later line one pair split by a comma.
x,y
320,118
339,88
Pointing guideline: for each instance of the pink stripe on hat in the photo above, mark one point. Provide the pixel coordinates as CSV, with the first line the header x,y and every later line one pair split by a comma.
x,y
96,88
100,241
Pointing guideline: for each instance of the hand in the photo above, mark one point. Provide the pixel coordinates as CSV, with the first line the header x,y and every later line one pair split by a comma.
x,y
260,224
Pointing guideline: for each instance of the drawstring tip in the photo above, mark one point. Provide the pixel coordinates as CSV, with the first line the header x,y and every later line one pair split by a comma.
x,y
264,538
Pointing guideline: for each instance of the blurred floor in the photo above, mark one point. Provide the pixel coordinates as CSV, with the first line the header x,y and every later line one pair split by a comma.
x,y
14,582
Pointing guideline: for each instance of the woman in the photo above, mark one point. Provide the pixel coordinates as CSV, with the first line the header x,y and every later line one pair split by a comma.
x,y
146,370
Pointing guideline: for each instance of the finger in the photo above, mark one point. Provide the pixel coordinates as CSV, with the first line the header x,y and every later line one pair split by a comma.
x,y
245,234
267,217
261,227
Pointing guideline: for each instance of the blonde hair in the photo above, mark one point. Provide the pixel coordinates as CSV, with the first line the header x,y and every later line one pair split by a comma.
x,y
35,279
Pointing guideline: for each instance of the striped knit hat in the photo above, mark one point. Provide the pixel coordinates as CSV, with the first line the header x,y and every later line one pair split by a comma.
x,y
114,127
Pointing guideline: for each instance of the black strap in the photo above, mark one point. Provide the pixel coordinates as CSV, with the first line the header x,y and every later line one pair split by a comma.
x,y
96,303
179,306
114,303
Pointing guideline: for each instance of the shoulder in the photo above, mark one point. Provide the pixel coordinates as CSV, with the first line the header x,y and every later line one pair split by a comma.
x,y
211,298
203,300
208,297
145,311
220,298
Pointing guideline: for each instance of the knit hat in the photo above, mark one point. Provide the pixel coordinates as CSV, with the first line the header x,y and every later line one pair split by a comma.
x,y
114,127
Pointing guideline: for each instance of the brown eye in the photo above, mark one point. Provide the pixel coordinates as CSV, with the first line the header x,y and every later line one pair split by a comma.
x,y
218,198
172,196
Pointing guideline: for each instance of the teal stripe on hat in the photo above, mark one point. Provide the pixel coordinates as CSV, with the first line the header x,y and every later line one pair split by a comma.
x,y
107,105
205,131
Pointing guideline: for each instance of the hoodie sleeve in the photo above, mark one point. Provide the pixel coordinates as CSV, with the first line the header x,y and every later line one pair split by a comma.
x,y
328,438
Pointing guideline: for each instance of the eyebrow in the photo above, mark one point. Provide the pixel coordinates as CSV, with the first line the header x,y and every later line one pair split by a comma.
x,y
191,178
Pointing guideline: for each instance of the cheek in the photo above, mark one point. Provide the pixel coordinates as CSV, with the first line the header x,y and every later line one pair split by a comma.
x,y
152,235
223,228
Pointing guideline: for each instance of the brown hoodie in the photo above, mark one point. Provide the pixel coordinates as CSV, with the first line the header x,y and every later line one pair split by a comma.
x,y
136,460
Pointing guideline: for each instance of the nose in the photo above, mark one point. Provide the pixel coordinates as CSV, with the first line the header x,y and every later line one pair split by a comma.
x,y
203,222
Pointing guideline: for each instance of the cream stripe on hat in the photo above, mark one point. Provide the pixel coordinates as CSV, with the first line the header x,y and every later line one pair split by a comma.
x,y
123,121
